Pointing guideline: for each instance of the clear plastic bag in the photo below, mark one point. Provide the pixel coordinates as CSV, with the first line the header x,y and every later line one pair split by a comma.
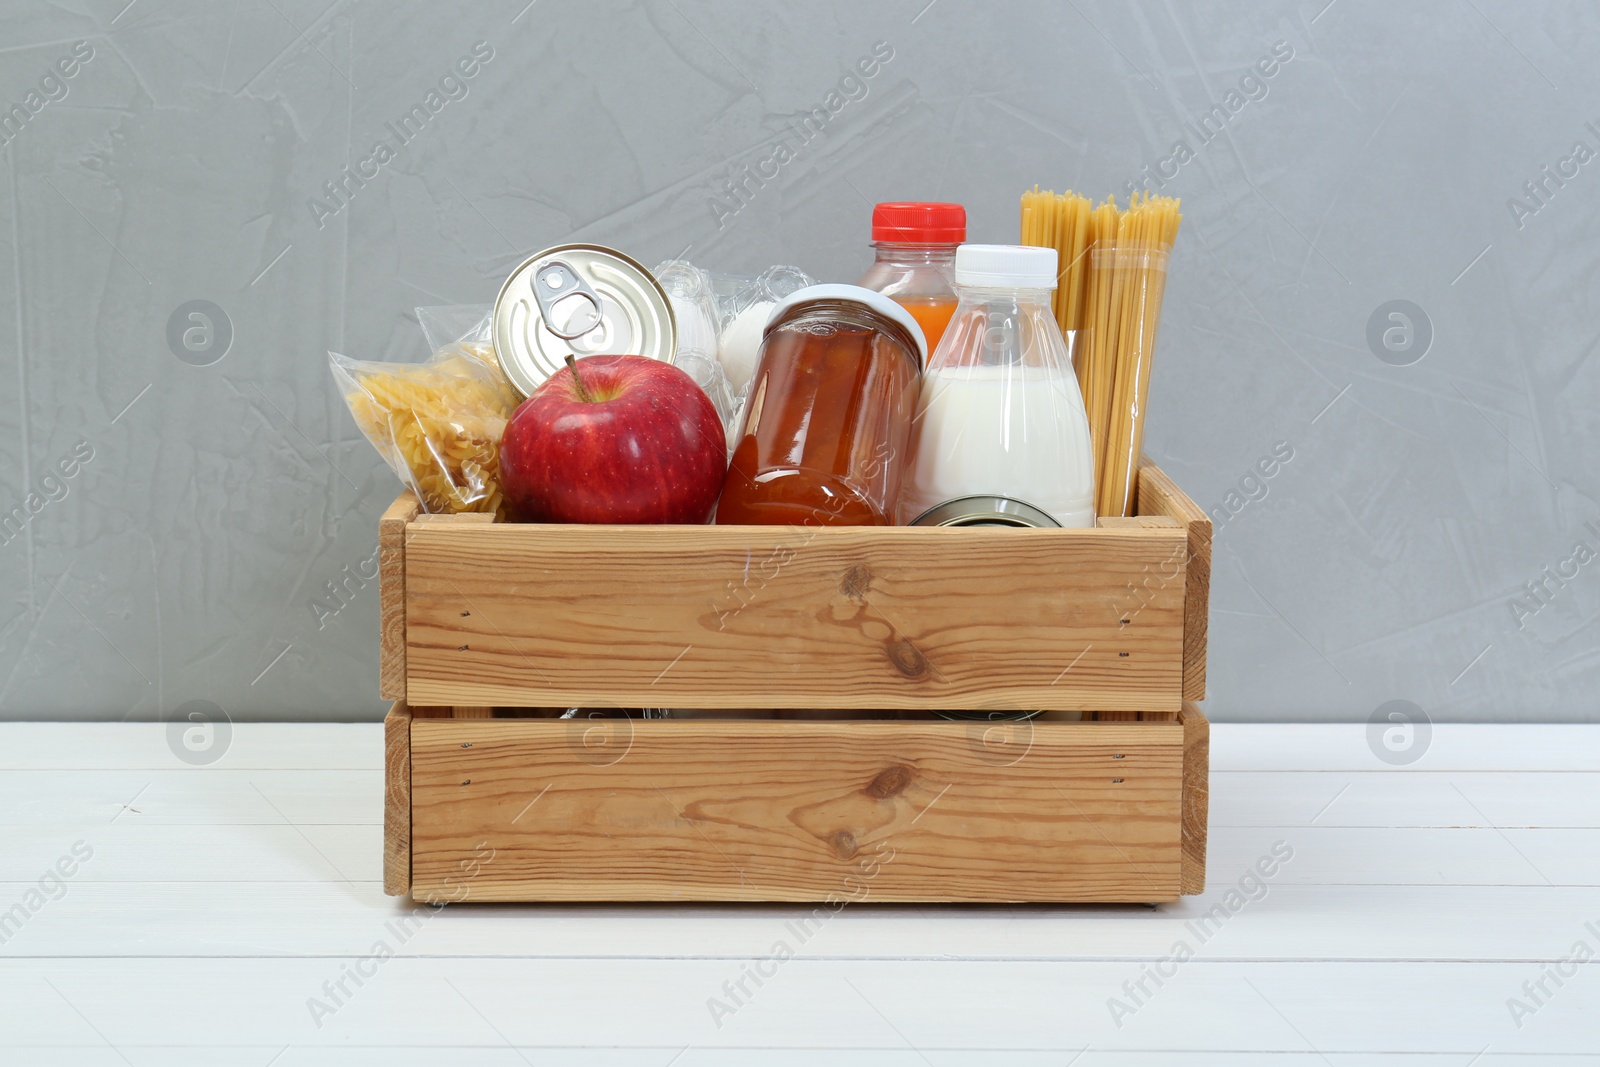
x,y
450,323
437,423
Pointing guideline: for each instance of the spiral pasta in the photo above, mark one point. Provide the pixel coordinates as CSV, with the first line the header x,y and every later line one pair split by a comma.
x,y
438,424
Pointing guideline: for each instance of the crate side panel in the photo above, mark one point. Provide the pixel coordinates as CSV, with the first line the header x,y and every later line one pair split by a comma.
x,y
1196,796
397,800
796,811
392,595
1160,495
733,617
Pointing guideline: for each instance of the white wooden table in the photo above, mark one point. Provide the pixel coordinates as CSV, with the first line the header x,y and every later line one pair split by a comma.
x,y
220,908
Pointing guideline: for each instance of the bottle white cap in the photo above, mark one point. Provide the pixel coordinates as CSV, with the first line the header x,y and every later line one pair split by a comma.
x,y
883,305
1006,266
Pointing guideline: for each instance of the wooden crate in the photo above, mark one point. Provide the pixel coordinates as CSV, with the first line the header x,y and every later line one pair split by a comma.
x,y
489,628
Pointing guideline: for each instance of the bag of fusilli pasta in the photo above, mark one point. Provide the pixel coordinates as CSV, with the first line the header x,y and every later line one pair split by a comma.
x,y
437,423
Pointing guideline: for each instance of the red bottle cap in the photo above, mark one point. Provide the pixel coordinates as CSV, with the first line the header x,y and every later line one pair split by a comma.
x,y
919,224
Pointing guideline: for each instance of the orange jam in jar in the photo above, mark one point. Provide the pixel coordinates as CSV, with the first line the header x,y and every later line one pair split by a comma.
x,y
828,422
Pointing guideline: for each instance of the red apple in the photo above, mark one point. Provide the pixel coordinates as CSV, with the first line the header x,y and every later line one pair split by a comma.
x,y
623,439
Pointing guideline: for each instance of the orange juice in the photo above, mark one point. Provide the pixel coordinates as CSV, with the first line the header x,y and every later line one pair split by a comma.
x,y
914,251
933,315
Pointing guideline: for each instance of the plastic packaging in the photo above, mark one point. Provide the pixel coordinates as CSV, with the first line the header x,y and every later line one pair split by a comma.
x,y
829,414
915,249
694,304
1000,415
692,295
1139,275
438,423
1114,269
744,319
452,323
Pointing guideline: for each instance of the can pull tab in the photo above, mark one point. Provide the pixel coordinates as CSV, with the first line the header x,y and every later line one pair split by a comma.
x,y
568,306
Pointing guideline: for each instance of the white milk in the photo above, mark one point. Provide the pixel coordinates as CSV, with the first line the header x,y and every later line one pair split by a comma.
x,y
1010,431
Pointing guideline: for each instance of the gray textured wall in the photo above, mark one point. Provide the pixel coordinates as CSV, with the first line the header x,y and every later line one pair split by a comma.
x,y
181,560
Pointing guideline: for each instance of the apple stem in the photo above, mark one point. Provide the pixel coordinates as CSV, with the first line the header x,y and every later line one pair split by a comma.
x,y
583,390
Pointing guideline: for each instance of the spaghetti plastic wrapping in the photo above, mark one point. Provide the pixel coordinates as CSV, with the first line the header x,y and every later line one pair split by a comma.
x,y
1114,271
1142,274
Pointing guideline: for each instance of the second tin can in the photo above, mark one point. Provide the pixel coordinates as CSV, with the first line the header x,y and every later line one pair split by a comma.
x,y
984,511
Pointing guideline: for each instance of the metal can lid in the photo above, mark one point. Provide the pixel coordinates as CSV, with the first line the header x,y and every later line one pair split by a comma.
x,y
580,300
984,511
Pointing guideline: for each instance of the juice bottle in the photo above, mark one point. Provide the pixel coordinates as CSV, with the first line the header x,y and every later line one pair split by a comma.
x,y
828,422
915,246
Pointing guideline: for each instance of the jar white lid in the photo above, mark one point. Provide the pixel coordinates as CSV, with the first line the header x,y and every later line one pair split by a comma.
x,y
1006,266
873,299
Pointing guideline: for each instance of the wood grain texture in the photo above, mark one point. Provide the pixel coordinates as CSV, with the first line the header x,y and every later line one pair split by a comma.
x,y
467,517
1196,796
764,616
1160,495
1137,522
397,801
613,809
392,595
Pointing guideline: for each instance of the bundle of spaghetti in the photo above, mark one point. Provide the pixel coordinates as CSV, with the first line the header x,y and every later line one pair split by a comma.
x,y
1138,264
438,424
1061,222
1095,354
1038,228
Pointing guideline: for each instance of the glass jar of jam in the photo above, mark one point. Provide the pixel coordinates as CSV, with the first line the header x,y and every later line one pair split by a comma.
x,y
828,421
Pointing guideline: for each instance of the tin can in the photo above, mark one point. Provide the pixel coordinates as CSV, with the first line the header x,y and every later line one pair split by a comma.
x,y
984,511
579,300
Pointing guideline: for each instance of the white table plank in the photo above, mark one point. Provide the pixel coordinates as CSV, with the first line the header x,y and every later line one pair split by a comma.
x,y
145,746
888,1005
250,919
1372,798
215,795
1364,855
129,851
1453,747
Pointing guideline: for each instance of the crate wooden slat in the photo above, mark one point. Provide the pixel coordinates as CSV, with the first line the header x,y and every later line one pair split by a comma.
x,y
531,809
761,616
735,809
